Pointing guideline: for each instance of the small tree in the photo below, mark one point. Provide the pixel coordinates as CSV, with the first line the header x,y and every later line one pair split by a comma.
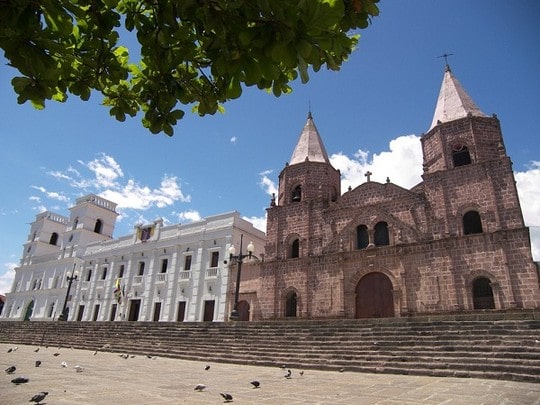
x,y
197,53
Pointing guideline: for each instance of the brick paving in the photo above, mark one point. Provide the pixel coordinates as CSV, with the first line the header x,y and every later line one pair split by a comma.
x,y
108,378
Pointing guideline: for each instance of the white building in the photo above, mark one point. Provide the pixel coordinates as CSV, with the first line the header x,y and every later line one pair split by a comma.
x,y
159,273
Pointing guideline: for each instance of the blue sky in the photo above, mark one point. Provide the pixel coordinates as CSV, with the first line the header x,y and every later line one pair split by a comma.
x,y
370,116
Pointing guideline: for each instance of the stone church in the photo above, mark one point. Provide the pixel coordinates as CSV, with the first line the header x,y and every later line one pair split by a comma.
x,y
454,243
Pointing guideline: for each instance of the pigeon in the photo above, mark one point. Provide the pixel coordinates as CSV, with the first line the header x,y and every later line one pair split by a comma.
x,y
227,397
36,350
342,369
20,380
125,356
56,354
207,367
78,369
301,372
200,387
38,363
11,369
12,349
95,352
289,374
256,384
39,397
63,364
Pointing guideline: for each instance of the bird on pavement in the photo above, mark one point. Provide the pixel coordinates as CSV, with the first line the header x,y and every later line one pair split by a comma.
x,y
64,364
200,387
207,367
256,384
20,380
38,363
11,369
227,397
301,372
79,369
288,374
36,350
39,397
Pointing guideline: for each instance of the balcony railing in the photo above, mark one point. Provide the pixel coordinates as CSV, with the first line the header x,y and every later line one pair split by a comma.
x,y
161,277
185,275
212,272
137,279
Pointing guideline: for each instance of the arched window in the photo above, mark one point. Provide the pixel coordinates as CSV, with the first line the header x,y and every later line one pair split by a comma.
x,y
334,195
54,239
483,294
472,223
75,223
294,249
291,304
362,237
98,227
297,194
460,155
381,234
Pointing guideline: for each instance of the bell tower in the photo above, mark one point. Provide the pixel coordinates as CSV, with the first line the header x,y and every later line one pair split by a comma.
x,y
307,185
467,173
92,219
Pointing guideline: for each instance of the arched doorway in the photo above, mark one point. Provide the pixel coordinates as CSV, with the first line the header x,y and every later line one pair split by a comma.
x,y
374,298
243,311
483,294
29,311
291,304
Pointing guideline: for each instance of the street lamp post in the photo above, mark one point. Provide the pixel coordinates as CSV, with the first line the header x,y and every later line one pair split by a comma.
x,y
70,277
239,260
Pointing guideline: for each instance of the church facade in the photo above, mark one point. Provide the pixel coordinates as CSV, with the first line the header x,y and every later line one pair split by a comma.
x,y
454,243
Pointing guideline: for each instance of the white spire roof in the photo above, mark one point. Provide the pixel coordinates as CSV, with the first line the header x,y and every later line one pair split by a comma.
x,y
453,102
309,145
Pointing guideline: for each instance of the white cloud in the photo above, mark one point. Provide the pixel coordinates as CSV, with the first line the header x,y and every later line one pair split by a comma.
x,y
258,222
528,187
267,184
402,164
107,180
105,169
6,279
134,196
233,139
190,216
53,195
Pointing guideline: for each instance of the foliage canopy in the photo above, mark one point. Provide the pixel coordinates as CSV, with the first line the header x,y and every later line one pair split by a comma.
x,y
197,53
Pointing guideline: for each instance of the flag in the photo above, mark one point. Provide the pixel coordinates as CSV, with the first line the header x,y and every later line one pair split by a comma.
x,y
118,291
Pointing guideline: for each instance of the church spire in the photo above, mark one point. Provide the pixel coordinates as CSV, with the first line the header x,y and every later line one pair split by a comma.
x,y
453,102
309,145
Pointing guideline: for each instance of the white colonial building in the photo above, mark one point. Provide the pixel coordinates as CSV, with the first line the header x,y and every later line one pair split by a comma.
x,y
159,273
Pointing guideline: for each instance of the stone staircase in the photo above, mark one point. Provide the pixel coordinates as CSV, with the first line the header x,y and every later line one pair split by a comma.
x,y
487,346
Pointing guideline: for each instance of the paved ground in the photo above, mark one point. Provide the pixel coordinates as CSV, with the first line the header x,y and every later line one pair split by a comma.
x,y
108,379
